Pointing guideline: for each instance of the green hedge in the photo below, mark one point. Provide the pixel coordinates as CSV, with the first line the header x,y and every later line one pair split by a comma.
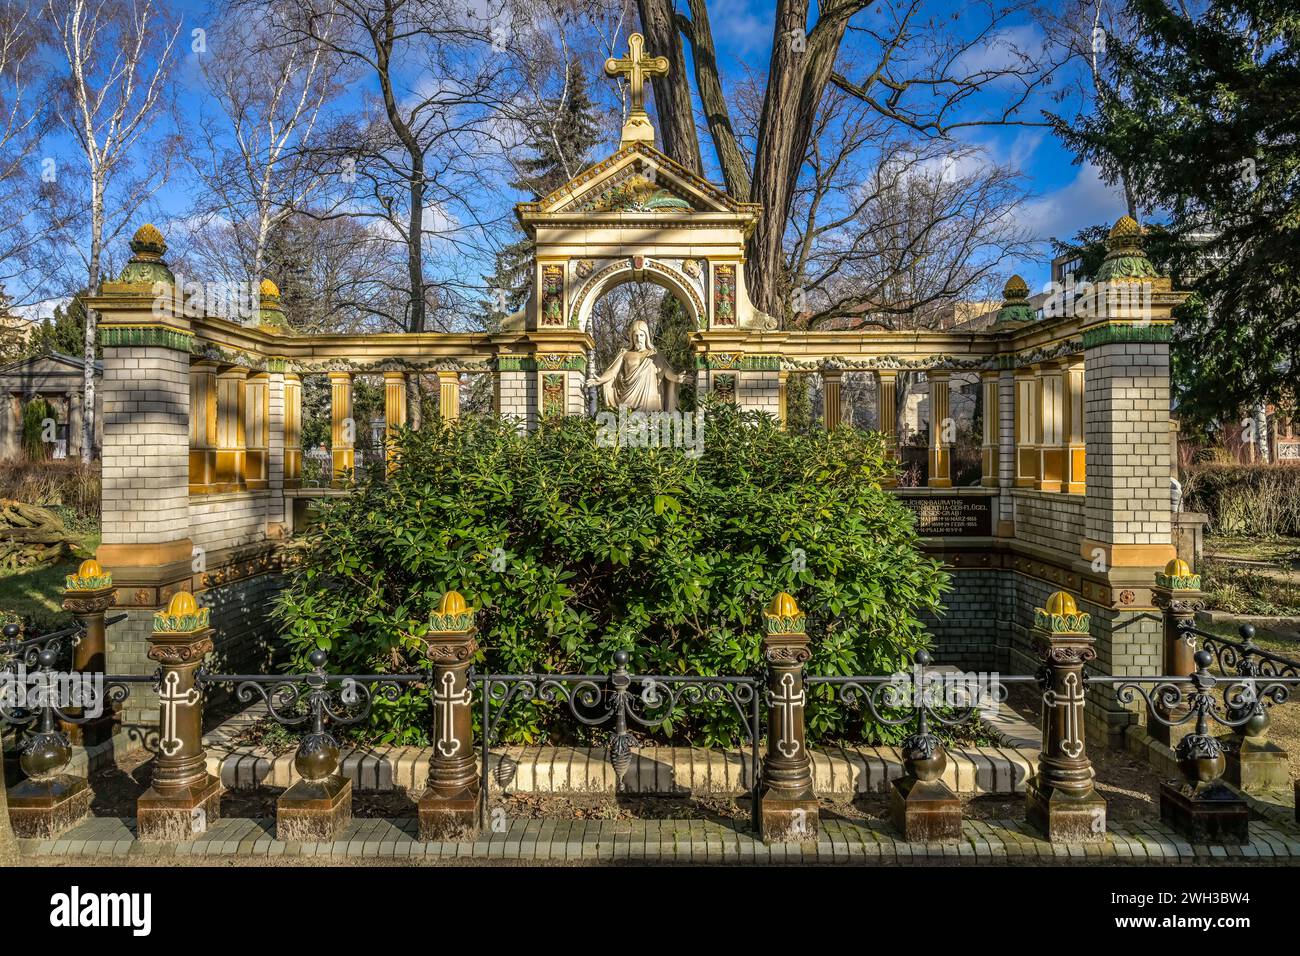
x,y
1245,500
573,551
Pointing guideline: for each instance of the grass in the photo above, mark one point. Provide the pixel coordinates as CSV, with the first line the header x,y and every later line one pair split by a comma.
x,y
1269,587
1276,550
36,595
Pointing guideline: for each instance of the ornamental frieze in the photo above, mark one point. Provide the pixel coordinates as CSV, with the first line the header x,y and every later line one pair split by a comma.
x,y
390,365
680,281
884,363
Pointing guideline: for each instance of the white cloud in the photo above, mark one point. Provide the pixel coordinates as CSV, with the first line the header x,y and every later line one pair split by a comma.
x,y
1085,201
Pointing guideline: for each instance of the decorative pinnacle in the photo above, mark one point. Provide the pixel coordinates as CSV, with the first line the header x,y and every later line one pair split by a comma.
x,y
1178,576
453,615
783,615
1125,260
183,615
1062,615
148,244
1015,302
89,577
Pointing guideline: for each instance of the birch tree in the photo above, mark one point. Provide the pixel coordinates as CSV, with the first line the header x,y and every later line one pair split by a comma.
x,y
116,57
251,161
26,253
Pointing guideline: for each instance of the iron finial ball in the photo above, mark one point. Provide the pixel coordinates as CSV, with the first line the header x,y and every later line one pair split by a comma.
x,y
620,658
1203,659
11,631
317,658
923,658
47,658
1247,631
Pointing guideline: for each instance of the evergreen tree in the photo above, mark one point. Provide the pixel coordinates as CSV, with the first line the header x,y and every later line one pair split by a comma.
x,y
560,137
63,332
1204,117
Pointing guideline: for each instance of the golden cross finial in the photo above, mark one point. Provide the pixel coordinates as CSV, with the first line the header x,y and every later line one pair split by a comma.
x,y
637,69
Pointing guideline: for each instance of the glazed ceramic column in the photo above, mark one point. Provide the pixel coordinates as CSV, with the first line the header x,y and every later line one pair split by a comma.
x,y
941,429
1027,408
257,441
1060,799
1075,443
787,804
1051,427
1178,595
394,412
989,438
184,799
832,409
231,404
887,413
292,430
88,595
449,808
449,395
203,427
343,429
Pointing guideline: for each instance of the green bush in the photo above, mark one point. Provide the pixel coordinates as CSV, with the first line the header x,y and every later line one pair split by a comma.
x,y
1245,500
573,551
35,413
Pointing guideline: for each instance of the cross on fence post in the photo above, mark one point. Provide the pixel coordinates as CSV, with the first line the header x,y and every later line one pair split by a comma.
x,y
1060,800
89,593
1178,594
449,808
787,805
184,799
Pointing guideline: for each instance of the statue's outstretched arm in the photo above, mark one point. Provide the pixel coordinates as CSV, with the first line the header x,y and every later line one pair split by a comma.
x,y
610,372
666,369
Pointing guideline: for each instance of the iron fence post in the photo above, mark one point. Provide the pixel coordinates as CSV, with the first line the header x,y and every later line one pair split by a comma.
x,y
1178,595
921,805
1060,799
1255,763
318,807
48,801
1202,806
788,806
88,594
449,809
184,799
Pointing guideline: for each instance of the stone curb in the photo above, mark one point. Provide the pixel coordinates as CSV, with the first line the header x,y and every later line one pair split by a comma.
x,y
579,842
660,771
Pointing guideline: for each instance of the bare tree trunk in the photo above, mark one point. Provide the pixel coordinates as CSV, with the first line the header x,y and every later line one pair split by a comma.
x,y
92,321
415,244
672,92
735,170
796,79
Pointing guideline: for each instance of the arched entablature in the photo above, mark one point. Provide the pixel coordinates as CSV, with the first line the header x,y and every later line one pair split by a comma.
x,y
683,278
639,216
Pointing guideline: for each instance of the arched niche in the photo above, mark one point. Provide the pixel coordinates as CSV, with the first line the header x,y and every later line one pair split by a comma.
x,y
638,269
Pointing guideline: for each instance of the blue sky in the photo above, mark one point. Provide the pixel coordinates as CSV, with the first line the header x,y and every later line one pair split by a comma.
x,y
1061,197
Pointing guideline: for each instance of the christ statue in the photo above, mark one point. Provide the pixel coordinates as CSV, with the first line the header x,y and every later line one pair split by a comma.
x,y
639,378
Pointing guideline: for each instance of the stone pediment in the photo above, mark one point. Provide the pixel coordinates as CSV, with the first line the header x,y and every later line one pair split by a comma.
x,y
636,179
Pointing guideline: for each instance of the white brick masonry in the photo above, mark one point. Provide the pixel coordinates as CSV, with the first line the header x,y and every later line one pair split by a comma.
x,y
1126,396
146,468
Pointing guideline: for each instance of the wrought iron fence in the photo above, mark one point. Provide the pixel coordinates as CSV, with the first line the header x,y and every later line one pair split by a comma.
x,y
620,698
627,705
